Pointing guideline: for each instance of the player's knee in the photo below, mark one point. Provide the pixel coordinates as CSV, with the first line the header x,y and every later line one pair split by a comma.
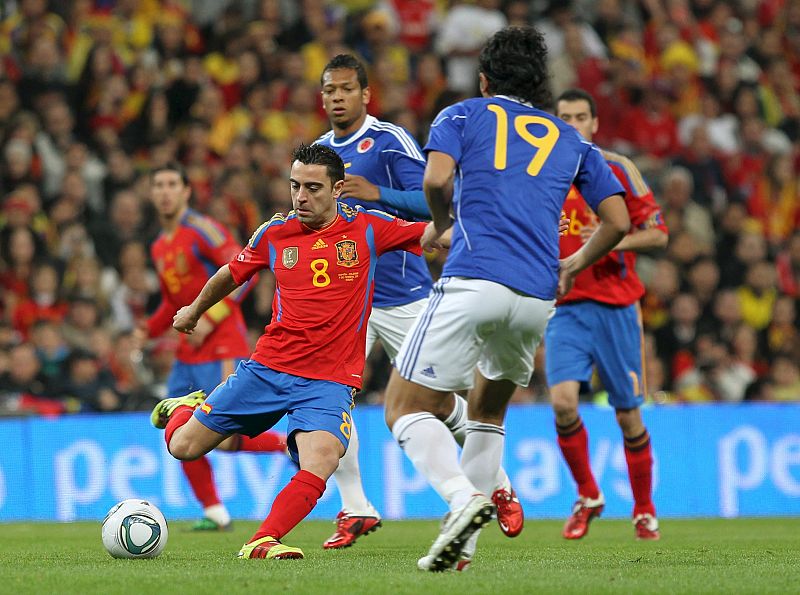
x,y
183,448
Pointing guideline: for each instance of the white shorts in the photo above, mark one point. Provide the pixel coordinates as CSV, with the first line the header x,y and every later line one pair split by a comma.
x,y
390,325
470,322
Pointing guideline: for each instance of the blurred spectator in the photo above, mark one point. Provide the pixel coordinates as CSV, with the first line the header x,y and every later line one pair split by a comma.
x,y
23,388
463,32
758,294
785,379
788,267
91,386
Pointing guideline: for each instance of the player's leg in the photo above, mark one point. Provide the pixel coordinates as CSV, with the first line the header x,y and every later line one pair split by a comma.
x,y
568,361
620,366
273,442
358,516
506,361
184,379
438,357
319,431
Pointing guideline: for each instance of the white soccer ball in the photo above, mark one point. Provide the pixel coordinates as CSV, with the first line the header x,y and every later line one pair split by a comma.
x,y
134,529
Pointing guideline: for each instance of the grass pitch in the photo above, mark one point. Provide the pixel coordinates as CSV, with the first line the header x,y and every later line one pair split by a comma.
x,y
696,556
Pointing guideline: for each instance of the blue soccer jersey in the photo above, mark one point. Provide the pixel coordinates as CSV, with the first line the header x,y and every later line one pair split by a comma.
x,y
387,156
514,167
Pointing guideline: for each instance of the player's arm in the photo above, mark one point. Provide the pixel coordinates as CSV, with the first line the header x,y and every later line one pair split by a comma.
x,y
216,245
614,224
216,288
229,276
408,201
438,187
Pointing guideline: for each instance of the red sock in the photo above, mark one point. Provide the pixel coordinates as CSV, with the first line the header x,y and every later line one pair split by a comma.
x,y
264,442
574,443
201,478
198,472
639,457
292,505
179,417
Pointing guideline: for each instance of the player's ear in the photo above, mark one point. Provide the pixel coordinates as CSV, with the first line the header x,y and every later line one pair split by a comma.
x,y
483,83
337,188
366,95
595,125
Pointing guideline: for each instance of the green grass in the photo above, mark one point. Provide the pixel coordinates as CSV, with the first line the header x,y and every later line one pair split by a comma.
x,y
697,556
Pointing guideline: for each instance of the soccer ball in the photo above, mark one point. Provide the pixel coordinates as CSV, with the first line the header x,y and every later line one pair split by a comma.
x,y
134,529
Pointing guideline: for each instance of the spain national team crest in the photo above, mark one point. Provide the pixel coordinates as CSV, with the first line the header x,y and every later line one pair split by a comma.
x,y
365,145
290,256
346,253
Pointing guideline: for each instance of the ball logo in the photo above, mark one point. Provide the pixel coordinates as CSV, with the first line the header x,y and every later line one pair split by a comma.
x,y
365,145
139,533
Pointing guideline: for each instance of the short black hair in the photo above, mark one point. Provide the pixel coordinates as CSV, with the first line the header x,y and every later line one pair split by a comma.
x,y
321,155
350,62
171,166
514,62
579,95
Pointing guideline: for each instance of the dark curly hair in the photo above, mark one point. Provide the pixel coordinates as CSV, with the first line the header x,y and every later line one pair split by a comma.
x,y
514,62
321,155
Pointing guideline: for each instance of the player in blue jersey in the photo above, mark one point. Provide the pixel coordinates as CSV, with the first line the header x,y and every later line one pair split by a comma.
x,y
384,169
503,167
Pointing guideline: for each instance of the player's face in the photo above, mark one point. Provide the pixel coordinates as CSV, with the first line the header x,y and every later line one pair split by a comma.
x,y
313,195
578,114
168,193
344,100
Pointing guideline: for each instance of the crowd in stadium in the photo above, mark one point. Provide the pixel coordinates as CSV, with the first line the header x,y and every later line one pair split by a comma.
x,y
703,95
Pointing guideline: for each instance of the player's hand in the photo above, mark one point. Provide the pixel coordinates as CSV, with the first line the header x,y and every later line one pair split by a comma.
x,y
358,187
569,268
431,239
203,328
563,224
185,320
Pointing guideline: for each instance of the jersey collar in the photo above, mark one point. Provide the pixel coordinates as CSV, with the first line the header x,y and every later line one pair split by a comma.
x,y
515,99
346,140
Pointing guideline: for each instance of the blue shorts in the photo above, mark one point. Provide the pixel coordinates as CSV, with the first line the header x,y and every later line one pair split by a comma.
x,y
255,398
584,334
186,378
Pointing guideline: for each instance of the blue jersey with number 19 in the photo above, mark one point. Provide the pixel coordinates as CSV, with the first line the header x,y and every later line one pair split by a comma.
x,y
514,167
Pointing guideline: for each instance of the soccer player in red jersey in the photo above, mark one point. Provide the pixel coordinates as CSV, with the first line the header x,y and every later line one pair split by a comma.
x,y
598,323
309,361
190,247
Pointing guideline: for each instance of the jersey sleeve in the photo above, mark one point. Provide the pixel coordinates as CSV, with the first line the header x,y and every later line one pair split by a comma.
x,y
253,258
595,180
644,211
447,130
392,233
218,248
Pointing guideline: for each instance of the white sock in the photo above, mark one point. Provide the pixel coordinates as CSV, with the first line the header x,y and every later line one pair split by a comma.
x,y
348,480
457,422
218,513
482,454
429,445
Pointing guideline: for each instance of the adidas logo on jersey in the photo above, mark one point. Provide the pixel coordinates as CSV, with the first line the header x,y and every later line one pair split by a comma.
x,y
320,243
428,372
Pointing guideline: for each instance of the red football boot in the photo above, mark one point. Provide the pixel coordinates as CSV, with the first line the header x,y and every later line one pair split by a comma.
x,y
349,528
583,511
510,516
646,527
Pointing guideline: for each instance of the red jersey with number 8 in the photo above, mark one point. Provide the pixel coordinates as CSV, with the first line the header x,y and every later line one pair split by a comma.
x,y
323,291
